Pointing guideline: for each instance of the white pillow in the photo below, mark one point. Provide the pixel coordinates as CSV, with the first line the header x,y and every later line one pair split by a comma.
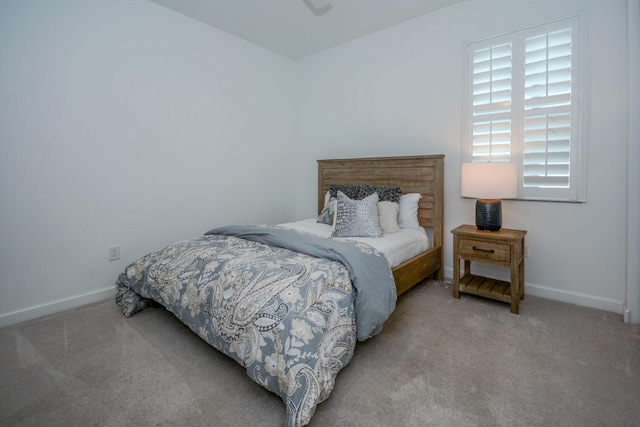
x,y
408,215
388,216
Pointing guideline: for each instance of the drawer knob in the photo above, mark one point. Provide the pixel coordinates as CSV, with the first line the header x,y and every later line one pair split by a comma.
x,y
475,248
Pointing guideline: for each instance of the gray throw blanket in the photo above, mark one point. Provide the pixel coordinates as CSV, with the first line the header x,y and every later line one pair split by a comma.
x,y
369,270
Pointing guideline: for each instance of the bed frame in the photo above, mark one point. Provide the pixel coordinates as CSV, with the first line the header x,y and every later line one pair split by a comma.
x,y
413,174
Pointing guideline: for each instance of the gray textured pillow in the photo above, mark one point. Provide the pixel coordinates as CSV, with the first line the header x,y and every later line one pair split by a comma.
x,y
359,192
328,214
357,218
354,192
386,194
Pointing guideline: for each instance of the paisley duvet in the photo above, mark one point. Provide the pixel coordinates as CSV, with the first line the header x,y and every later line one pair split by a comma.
x,y
287,306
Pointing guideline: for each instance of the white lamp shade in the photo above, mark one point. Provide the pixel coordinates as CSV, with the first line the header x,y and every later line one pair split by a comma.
x,y
489,180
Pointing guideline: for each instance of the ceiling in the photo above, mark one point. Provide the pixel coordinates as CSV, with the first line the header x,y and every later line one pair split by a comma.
x,y
290,28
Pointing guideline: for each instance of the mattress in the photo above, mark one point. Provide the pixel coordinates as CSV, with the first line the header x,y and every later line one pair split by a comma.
x,y
397,247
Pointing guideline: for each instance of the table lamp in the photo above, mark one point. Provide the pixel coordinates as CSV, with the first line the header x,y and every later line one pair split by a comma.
x,y
489,182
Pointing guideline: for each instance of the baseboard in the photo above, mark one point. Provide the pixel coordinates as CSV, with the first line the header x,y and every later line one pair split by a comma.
x,y
33,312
106,293
583,300
575,298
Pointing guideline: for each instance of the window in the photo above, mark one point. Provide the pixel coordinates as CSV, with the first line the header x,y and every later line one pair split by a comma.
x,y
523,106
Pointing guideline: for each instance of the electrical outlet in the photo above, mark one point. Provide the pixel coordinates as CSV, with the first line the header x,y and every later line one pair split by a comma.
x,y
114,253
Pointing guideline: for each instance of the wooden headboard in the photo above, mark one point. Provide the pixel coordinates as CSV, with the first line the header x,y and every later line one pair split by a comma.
x,y
413,174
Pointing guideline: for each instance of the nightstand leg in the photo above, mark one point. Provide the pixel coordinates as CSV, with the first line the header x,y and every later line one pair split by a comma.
x,y
456,279
516,287
522,280
515,306
456,269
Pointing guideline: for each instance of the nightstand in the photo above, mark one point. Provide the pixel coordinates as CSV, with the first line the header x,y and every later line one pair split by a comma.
x,y
504,247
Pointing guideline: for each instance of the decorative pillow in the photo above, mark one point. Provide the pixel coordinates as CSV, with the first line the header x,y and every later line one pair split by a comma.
x,y
357,218
408,215
328,214
386,194
327,197
353,192
359,192
388,216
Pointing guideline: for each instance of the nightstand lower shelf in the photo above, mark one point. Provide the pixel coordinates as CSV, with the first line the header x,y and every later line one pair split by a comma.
x,y
485,287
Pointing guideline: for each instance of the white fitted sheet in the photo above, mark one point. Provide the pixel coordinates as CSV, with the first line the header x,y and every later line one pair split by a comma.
x,y
397,247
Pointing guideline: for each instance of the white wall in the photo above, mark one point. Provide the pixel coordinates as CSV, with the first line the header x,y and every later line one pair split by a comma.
x,y
400,91
632,309
125,123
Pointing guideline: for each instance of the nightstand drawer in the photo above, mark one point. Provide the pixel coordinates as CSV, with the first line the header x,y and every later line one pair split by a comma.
x,y
479,249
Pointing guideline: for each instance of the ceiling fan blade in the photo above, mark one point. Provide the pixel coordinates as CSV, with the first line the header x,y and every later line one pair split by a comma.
x,y
319,7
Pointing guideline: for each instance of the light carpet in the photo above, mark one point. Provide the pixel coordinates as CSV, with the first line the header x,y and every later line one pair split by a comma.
x,y
438,362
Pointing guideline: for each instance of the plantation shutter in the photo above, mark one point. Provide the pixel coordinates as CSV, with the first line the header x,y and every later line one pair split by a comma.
x,y
547,110
491,87
523,106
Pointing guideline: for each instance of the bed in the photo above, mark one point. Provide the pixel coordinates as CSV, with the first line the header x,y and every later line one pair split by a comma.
x,y
423,175
285,303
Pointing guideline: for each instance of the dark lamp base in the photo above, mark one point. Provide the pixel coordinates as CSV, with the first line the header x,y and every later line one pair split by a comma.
x,y
489,214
